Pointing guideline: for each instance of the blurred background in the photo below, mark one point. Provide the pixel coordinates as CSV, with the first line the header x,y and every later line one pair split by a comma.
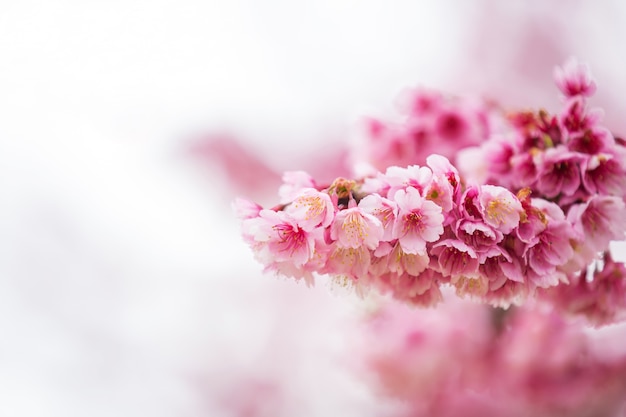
x,y
127,128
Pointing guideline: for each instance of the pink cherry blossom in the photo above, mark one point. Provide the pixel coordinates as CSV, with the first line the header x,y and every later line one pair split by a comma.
x,y
591,141
353,228
478,235
576,118
501,267
415,176
421,290
311,208
500,207
551,247
598,221
280,238
346,261
559,172
419,221
604,174
455,258
384,210
409,263
445,184
574,79
469,205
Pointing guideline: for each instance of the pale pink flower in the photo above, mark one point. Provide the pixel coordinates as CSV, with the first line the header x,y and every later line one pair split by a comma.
x,y
551,249
476,286
473,164
415,176
353,228
499,265
604,174
353,263
419,221
534,221
455,258
312,208
422,290
510,292
598,221
501,209
280,238
445,183
384,210
477,234
401,262
574,79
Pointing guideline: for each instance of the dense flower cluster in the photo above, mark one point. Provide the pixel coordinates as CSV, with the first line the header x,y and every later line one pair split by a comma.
x,y
429,123
544,196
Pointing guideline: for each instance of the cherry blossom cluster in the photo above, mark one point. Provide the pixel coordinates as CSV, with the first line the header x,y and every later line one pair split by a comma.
x,y
429,123
571,159
544,197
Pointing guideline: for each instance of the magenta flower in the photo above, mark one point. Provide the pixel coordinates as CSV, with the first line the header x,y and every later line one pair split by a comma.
x,y
574,79
591,141
559,172
501,209
469,207
419,221
575,118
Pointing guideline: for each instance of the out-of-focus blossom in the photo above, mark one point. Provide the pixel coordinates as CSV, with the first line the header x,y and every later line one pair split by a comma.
x,y
471,360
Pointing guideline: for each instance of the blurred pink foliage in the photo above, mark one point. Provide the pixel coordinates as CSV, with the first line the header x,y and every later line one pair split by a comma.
x,y
471,360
